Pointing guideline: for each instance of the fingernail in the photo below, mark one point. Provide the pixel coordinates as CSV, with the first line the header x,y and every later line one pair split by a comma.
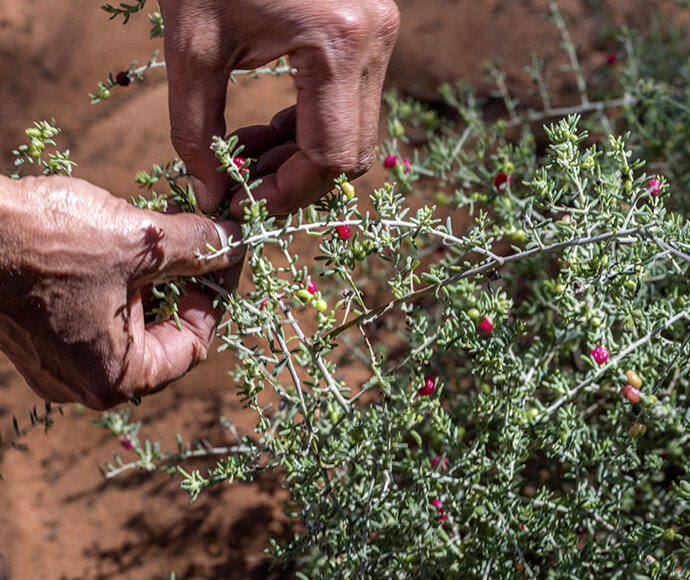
x,y
230,231
223,234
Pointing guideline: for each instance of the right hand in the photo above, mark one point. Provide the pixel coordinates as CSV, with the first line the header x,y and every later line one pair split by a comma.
x,y
340,49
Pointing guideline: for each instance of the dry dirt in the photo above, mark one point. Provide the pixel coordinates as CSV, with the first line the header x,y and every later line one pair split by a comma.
x,y
58,518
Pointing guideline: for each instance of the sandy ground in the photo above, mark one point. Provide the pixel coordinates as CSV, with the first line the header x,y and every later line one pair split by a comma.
x,y
58,518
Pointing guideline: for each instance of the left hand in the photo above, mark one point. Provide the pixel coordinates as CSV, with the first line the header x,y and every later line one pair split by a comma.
x,y
73,262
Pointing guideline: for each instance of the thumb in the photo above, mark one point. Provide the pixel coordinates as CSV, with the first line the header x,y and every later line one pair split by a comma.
x,y
177,245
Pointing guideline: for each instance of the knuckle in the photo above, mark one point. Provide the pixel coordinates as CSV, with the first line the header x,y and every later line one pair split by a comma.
x,y
348,22
352,164
386,21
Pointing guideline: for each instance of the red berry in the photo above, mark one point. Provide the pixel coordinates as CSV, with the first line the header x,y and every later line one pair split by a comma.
x,y
406,164
264,304
502,180
486,325
390,161
239,161
600,355
654,186
443,462
343,231
631,393
611,59
438,504
311,287
428,388
126,442
122,79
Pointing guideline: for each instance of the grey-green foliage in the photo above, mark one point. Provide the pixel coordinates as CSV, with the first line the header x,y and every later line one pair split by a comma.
x,y
539,462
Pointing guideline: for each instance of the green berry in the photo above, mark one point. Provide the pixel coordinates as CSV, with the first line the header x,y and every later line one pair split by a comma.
x,y
637,430
474,314
397,129
650,400
304,295
358,252
518,235
348,189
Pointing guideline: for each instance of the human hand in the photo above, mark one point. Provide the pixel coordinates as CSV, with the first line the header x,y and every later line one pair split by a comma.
x,y
340,49
73,262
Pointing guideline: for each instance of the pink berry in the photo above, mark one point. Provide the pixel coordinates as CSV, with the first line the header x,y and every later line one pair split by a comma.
x,y
443,462
654,185
311,287
390,161
122,79
406,164
343,232
502,180
600,355
631,393
486,325
428,388
239,161
264,304
126,442
438,504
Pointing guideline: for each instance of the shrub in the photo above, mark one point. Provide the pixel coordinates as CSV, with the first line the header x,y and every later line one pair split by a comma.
x,y
501,333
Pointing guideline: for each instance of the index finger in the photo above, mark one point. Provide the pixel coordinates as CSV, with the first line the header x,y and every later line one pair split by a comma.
x,y
197,87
